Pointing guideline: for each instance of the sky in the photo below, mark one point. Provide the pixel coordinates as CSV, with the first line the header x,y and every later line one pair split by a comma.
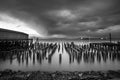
x,y
62,18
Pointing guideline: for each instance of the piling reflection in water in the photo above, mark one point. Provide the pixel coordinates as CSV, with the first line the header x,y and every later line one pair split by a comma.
x,y
93,51
40,51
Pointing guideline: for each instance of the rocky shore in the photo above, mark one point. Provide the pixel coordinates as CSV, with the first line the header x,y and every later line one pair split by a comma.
x,y
59,75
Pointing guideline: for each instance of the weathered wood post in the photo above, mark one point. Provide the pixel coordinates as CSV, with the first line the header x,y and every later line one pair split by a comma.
x,y
110,37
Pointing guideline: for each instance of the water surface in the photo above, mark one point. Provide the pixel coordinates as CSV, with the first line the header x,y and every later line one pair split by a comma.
x,y
62,56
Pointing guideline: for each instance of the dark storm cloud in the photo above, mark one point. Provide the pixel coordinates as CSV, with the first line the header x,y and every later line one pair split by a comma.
x,y
67,17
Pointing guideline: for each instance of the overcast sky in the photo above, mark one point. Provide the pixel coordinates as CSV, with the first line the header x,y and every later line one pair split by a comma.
x,y
65,18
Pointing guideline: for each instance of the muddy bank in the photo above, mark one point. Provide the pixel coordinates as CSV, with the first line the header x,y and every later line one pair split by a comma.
x,y
62,75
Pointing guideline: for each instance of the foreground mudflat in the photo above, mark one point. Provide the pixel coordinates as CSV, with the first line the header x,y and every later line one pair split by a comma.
x,y
62,75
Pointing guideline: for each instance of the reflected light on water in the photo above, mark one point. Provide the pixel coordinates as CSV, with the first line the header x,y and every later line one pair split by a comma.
x,y
68,56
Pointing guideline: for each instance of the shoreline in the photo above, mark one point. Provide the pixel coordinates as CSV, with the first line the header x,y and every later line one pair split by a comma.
x,y
60,75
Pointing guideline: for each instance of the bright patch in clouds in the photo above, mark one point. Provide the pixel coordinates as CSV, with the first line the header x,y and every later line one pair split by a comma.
x,y
63,14
66,14
15,27
11,23
110,29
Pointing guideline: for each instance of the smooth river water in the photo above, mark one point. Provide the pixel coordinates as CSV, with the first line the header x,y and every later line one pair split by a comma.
x,y
62,56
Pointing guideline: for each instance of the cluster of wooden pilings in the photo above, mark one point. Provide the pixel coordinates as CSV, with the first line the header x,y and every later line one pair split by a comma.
x,y
92,51
35,52
26,51
8,45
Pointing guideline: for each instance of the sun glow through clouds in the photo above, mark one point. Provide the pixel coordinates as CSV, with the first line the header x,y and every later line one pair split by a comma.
x,y
7,22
